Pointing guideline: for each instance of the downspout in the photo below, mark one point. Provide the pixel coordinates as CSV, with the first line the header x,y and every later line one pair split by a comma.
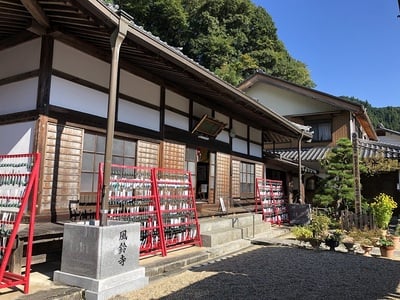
x,y
116,40
301,191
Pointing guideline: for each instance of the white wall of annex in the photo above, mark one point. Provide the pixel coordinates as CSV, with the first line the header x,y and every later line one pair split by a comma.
x,y
285,102
138,115
73,96
139,88
239,145
77,63
176,101
20,138
18,96
19,59
176,120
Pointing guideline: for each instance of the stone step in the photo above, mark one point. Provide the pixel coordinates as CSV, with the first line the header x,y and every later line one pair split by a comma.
x,y
229,221
218,237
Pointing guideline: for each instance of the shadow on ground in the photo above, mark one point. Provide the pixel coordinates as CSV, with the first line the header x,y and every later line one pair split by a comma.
x,y
292,273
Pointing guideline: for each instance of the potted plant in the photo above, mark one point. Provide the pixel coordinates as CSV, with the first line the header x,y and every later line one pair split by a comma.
x,y
333,239
349,243
314,233
396,237
302,233
382,210
366,238
386,246
319,225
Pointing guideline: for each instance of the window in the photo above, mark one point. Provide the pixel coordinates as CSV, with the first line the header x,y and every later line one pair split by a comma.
x,y
247,179
322,131
124,153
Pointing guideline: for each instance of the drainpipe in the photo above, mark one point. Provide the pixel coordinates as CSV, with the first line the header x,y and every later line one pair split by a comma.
x,y
116,40
301,193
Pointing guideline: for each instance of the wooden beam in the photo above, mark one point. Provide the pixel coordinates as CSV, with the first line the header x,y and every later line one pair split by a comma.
x,y
37,12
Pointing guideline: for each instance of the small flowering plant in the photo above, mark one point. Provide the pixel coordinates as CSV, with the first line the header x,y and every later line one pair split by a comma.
x,y
385,242
336,236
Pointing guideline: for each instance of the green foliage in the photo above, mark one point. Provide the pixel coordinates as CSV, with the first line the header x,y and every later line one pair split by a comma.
x,y
386,241
378,164
319,226
302,233
382,209
388,116
233,38
337,189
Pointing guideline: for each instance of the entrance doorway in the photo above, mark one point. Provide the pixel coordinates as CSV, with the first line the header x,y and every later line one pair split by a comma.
x,y
203,167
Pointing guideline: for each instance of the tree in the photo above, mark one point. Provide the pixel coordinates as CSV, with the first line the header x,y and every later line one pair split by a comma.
x,y
337,189
232,38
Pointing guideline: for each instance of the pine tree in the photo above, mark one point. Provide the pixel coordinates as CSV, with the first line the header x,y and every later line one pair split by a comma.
x,y
337,189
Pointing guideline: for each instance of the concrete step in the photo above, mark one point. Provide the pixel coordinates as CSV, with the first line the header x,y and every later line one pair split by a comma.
x,y
218,237
215,224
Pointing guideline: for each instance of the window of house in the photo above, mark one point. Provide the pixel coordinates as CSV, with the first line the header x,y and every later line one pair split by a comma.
x,y
322,131
124,153
247,175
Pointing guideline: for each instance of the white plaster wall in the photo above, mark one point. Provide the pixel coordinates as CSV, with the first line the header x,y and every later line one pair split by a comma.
x,y
239,128
138,115
70,95
139,88
176,101
18,96
200,110
285,102
255,135
20,59
239,145
17,138
176,120
223,136
255,150
72,61
222,118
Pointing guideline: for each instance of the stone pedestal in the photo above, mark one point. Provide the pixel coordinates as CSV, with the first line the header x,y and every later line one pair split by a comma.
x,y
104,260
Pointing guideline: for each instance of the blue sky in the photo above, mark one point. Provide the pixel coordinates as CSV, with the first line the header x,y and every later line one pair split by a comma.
x,y
351,47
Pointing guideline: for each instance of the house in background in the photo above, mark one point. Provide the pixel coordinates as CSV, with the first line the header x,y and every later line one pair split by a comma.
x,y
55,86
329,117
387,136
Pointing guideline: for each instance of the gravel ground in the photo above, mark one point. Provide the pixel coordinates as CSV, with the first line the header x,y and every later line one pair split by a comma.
x,y
273,272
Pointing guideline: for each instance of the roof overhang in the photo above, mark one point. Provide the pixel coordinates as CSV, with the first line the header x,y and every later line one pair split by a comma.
x,y
356,109
89,24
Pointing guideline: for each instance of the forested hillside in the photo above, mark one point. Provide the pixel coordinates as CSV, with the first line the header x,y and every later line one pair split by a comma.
x,y
388,116
233,39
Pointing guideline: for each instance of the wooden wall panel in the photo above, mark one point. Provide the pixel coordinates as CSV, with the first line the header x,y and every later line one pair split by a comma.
x,y
147,154
172,156
235,179
61,167
222,178
259,171
340,127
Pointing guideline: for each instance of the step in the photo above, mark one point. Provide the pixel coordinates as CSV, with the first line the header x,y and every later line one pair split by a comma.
x,y
246,219
251,230
218,237
215,224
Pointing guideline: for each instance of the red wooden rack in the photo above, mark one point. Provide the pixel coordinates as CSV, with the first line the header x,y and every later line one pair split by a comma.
x,y
162,200
19,175
270,199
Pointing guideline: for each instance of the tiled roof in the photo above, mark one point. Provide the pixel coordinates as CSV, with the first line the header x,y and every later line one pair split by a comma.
x,y
367,149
